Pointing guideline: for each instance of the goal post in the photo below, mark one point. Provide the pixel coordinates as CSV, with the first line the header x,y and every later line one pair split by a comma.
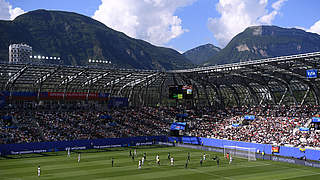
x,y
240,152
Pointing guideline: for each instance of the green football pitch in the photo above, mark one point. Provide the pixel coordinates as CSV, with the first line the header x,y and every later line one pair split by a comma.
x,y
97,165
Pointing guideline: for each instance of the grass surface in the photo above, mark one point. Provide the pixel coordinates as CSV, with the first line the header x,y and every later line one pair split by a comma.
x,y
97,165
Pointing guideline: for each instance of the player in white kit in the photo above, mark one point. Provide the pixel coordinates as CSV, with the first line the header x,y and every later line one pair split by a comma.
x,y
68,149
230,159
139,164
142,161
157,158
172,161
39,171
79,157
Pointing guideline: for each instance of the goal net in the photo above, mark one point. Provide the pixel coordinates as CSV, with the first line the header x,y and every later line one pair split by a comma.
x,y
241,152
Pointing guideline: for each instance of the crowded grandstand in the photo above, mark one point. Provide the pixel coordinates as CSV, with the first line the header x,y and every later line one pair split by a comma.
x,y
278,125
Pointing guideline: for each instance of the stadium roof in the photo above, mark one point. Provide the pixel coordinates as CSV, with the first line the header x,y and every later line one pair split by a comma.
x,y
276,80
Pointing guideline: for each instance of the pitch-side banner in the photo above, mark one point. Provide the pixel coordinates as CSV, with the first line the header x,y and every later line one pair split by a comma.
x,y
316,119
275,149
76,95
312,73
178,126
55,95
249,117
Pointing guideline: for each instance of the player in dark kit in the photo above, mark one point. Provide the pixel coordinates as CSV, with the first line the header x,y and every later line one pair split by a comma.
x,y
218,161
168,156
145,156
215,157
188,156
186,165
112,162
130,153
201,162
132,157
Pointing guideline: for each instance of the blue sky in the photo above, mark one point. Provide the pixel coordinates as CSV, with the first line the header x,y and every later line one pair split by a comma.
x,y
181,24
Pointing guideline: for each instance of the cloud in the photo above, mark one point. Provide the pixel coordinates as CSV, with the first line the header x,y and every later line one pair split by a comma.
x,y
15,12
278,4
7,12
237,15
315,28
150,20
268,18
4,10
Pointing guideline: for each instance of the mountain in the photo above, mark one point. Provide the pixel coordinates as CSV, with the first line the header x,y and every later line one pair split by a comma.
x,y
259,42
202,53
77,38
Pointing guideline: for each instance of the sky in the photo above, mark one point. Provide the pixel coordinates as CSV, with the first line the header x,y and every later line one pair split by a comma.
x,y
181,24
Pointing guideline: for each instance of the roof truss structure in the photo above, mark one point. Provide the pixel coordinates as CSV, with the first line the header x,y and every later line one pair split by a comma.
x,y
279,80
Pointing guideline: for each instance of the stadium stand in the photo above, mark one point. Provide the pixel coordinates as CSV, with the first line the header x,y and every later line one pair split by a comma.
x,y
272,125
57,103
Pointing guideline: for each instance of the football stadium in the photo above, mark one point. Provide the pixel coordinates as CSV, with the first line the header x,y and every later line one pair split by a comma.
x,y
249,120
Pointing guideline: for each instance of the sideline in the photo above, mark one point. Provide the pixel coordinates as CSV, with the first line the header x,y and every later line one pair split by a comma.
x,y
258,156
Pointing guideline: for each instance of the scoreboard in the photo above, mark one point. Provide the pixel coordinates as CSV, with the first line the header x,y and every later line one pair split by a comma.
x,y
181,92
